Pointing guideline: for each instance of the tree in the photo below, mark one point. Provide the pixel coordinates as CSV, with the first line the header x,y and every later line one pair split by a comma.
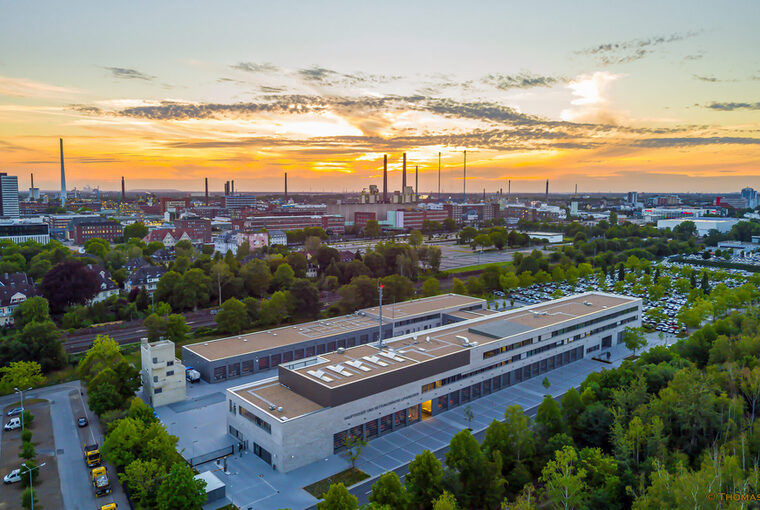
x,y
480,476
397,288
104,397
29,473
434,258
388,490
140,476
28,498
305,297
41,341
256,277
27,451
634,338
509,281
193,289
103,353
372,229
424,482
136,230
446,501
283,277
338,498
34,309
275,309
549,418
458,287
415,238
155,326
180,490
233,317
563,480
354,445
98,247
177,328
545,383
299,263
69,283
430,287
21,374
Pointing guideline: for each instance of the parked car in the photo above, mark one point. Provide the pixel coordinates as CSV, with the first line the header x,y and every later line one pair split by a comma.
x,y
13,477
15,411
82,421
13,424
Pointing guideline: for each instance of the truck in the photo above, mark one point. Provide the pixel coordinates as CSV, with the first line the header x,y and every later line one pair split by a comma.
x,y
91,455
100,481
192,375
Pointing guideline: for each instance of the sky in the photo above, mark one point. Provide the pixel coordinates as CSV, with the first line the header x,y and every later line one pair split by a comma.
x,y
645,96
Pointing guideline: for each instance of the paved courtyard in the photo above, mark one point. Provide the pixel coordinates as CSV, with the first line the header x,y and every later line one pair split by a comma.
x,y
253,484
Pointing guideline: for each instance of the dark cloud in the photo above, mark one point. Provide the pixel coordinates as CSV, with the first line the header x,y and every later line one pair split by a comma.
x,y
129,74
656,143
631,50
271,90
729,107
85,108
696,56
522,80
711,79
252,67
316,73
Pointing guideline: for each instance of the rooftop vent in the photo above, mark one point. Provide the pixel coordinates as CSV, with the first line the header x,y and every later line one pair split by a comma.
x,y
245,339
272,407
280,409
587,303
427,339
464,339
205,343
341,350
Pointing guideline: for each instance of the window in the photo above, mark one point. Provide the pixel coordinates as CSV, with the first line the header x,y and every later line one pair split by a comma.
x,y
386,423
155,360
247,366
232,407
261,452
158,390
276,359
371,429
245,413
155,378
169,363
169,372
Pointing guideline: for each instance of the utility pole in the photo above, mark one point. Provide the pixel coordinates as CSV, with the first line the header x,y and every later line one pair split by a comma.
x,y
31,483
380,328
22,404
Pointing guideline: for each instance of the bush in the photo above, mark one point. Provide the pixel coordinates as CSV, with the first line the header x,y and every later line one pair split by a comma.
x,y
27,451
26,435
29,464
28,418
26,498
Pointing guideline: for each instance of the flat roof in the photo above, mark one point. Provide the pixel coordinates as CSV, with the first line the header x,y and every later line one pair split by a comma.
x,y
421,306
222,348
472,314
339,368
267,393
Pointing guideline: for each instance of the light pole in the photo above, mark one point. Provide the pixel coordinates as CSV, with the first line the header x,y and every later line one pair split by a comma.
x,y
31,483
22,404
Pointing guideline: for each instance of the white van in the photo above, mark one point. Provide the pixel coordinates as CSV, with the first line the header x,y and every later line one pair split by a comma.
x,y
13,424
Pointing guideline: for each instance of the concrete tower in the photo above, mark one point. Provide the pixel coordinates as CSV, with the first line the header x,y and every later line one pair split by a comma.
x,y
206,182
286,186
403,176
464,179
547,190
123,191
63,178
416,183
385,179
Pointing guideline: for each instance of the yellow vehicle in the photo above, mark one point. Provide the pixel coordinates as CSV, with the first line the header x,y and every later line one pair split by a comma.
x,y
92,455
100,481
109,506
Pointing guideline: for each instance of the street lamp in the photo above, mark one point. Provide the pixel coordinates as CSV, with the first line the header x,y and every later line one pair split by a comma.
x,y
22,404
31,483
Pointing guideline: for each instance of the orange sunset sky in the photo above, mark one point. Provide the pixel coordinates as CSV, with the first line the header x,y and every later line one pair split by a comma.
x,y
647,96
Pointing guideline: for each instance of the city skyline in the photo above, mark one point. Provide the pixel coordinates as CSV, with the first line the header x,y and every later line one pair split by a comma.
x,y
645,97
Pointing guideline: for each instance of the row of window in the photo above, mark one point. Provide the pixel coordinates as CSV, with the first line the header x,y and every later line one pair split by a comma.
x,y
245,413
378,427
594,321
418,319
505,348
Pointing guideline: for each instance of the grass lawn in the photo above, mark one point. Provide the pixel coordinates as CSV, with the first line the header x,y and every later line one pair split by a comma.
x,y
348,477
476,267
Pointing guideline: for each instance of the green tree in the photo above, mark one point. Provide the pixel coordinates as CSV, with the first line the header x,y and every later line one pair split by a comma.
x,y
458,287
27,451
434,258
388,490
34,309
256,277
424,482
446,501
563,480
177,328
482,485
415,238
283,277
549,418
104,397
397,288
634,338
372,229
29,473
155,327
193,289
338,498
233,317
41,342
275,309
306,298
180,490
141,478
353,447
21,374
509,281
29,499
136,230
430,287
98,247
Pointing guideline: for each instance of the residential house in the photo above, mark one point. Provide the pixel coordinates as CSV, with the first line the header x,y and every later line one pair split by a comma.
x,y
146,277
15,288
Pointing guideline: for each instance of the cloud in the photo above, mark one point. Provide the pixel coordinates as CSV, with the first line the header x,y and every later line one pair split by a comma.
x,y
252,67
316,73
522,80
658,143
729,107
128,74
711,79
590,103
19,87
631,50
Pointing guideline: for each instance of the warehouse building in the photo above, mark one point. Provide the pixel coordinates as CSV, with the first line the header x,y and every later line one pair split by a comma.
x,y
226,358
308,410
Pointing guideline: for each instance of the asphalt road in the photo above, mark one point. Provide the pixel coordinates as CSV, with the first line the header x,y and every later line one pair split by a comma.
x,y
67,404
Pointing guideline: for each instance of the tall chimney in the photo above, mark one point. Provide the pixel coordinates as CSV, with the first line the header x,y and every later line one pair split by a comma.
x,y
464,180
206,179
576,190
63,178
286,186
484,195
385,178
509,188
123,190
403,177
232,187
439,176
547,190
416,183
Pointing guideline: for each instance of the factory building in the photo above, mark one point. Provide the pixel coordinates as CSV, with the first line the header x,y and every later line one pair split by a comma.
x,y
308,410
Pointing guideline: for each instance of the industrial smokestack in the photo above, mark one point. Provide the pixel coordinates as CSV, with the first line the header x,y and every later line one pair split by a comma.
x,y
439,176
509,188
416,182
206,183
576,190
403,177
286,186
464,180
123,190
385,178
547,190
63,178
232,187
484,195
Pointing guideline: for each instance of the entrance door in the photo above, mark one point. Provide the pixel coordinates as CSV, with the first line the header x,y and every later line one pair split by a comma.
x,y
427,409
607,342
